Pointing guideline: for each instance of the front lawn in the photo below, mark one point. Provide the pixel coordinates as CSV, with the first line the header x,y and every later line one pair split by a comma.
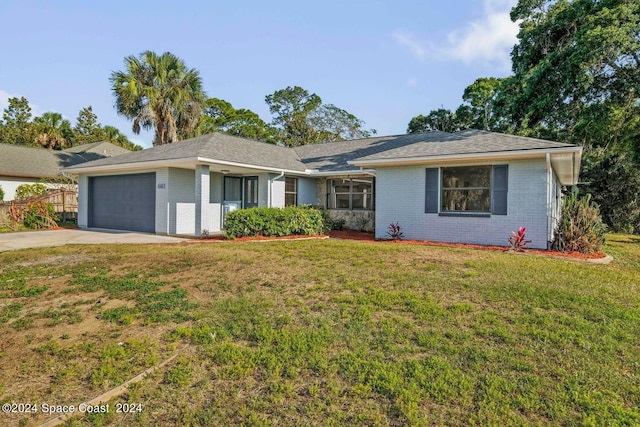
x,y
322,332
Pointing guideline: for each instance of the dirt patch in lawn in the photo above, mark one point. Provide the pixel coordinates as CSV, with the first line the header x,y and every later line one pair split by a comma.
x,y
57,260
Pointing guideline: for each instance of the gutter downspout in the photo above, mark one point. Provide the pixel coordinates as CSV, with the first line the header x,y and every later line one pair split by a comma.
x,y
549,190
270,192
573,170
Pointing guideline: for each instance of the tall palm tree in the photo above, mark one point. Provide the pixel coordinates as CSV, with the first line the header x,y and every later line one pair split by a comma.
x,y
159,92
113,135
53,131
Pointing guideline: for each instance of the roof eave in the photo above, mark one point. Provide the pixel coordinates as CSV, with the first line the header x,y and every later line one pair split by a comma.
x,y
27,175
82,168
183,162
567,167
249,166
320,174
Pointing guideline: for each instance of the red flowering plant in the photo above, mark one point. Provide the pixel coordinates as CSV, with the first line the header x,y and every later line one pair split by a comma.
x,y
394,231
517,241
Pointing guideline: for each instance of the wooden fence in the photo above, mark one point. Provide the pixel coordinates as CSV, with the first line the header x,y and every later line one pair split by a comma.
x,y
63,200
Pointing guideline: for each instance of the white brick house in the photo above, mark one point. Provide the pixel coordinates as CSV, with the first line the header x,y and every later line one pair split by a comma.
x,y
466,187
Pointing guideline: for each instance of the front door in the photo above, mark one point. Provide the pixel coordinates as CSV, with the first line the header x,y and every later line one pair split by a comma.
x,y
250,199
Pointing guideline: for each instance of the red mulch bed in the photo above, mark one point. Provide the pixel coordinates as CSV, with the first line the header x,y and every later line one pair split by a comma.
x,y
370,237
359,235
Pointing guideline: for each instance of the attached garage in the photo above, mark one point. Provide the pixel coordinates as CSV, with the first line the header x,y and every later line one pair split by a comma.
x,y
123,202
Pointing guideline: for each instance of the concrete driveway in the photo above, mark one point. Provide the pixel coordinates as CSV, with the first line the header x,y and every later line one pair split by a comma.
x,y
35,239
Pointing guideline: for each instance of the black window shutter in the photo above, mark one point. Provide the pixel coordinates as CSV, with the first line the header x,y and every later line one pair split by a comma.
x,y
500,187
431,193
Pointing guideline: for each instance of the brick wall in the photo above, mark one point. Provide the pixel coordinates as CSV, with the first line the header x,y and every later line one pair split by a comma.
x,y
307,193
162,201
83,201
400,197
182,201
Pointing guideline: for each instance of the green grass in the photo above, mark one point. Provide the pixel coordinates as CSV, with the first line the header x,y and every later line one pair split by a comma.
x,y
327,333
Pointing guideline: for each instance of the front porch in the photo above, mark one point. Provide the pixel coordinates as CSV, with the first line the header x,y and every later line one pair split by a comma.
x,y
195,201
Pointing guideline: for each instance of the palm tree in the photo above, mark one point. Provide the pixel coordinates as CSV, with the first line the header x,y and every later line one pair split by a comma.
x,y
159,92
52,131
113,135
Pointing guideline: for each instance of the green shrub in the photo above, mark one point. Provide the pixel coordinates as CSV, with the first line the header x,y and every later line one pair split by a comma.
x,y
25,191
329,222
581,228
39,215
1,193
274,222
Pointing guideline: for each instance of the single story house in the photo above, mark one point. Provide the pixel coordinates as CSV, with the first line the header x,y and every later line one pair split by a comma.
x,y
28,165
467,187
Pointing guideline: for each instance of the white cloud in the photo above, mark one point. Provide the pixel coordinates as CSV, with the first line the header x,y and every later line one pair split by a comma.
x,y
487,41
412,82
406,40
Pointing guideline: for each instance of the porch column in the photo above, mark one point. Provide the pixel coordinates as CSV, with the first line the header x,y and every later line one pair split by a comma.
x,y
202,199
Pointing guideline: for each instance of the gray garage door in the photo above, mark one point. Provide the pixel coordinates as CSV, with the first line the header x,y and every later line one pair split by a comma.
x,y
123,202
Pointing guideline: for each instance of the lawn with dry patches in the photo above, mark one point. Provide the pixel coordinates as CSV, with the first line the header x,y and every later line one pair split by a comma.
x,y
322,332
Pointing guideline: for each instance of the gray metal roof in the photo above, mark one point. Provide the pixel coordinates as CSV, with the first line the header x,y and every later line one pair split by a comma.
x,y
334,156
215,146
30,162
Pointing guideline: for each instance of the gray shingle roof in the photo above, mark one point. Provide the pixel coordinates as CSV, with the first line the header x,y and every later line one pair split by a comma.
x,y
29,162
103,148
215,146
334,156
330,157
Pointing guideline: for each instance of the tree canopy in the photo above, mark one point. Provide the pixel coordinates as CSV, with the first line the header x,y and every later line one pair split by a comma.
x,y
159,92
442,119
576,79
52,130
220,116
15,126
298,118
87,128
301,118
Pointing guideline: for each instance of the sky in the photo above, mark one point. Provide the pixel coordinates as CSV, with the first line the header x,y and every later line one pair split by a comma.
x,y
383,61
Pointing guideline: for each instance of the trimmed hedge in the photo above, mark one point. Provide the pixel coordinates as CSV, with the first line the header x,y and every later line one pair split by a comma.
x,y
273,222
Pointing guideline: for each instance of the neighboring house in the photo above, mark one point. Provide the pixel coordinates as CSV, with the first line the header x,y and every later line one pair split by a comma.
x,y
466,187
27,165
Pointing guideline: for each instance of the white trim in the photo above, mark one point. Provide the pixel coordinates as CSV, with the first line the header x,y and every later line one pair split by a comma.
x,y
549,197
248,166
361,171
152,164
190,162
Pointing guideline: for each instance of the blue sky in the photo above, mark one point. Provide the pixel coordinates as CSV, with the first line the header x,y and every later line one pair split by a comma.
x,y
384,61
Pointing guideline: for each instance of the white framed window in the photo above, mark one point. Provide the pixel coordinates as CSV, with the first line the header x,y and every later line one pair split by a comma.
x,y
290,191
350,193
